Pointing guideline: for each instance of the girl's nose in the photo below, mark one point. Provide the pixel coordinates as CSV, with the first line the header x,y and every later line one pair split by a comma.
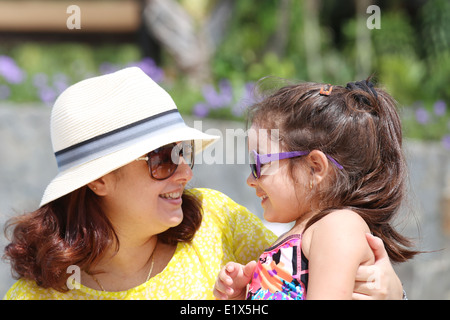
x,y
251,181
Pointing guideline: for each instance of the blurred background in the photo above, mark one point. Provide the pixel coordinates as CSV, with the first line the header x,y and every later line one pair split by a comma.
x,y
208,54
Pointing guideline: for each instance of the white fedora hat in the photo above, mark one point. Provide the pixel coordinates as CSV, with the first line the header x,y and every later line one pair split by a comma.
x,y
101,124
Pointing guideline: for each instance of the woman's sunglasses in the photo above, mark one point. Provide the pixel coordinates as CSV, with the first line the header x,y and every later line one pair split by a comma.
x,y
258,160
163,162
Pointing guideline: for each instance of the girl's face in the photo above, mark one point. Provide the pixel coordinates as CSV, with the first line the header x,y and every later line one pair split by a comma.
x,y
282,197
141,206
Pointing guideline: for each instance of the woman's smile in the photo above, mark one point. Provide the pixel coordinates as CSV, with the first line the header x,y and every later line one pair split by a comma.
x,y
173,198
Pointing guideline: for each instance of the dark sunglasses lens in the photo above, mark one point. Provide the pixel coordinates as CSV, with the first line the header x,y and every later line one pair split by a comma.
x,y
161,164
187,152
164,161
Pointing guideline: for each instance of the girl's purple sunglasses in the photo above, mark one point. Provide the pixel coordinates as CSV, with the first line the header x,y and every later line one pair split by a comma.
x,y
257,160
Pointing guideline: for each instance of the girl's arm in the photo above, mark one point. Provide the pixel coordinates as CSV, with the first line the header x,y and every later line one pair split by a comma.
x,y
336,246
232,281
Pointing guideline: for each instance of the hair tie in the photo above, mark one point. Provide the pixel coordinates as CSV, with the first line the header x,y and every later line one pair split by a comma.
x,y
326,90
364,85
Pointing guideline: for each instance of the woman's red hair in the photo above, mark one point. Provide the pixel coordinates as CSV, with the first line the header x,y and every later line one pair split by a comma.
x,y
73,230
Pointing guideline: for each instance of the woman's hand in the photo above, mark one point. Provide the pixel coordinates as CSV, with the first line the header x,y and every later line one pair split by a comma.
x,y
378,281
232,281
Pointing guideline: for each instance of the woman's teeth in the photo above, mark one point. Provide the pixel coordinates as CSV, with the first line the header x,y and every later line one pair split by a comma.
x,y
263,197
171,195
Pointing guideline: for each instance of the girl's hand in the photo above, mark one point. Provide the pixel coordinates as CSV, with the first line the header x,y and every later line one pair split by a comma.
x,y
232,281
378,281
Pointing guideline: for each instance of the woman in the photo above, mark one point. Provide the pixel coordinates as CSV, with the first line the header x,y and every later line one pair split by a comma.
x,y
117,221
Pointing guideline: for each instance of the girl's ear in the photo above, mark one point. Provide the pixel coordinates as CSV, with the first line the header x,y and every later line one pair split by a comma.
x,y
318,162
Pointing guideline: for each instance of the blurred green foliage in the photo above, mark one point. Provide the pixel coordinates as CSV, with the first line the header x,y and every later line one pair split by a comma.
x,y
409,56
66,62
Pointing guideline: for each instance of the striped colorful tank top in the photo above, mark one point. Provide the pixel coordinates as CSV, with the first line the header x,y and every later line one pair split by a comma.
x,y
281,273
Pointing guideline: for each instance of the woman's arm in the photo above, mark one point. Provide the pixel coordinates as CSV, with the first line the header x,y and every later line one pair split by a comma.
x,y
378,281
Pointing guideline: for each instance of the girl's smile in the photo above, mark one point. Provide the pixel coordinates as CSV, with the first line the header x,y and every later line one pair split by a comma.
x,y
277,191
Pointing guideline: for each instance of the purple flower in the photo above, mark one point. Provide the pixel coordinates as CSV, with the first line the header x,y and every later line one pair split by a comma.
x,y
440,108
446,141
249,88
107,67
10,71
246,100
422,116
211,96
226,91
149,66
47,95
60,83
4,92
218,99
238,110
40,80
200,110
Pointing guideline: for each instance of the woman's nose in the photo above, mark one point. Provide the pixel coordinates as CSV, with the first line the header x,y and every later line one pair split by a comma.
x,y
184,172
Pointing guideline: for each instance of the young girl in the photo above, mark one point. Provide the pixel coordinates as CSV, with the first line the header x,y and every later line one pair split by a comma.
x,y
334,166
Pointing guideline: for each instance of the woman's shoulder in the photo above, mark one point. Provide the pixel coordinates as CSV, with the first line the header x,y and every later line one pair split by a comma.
x,y
206,194
222,211
216,202
25,289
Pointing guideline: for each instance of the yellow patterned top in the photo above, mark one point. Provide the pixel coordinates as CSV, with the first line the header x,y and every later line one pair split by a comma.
x,y
229,232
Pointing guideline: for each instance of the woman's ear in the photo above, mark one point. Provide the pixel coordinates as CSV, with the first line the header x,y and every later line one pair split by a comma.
x,y
318,162
99,186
